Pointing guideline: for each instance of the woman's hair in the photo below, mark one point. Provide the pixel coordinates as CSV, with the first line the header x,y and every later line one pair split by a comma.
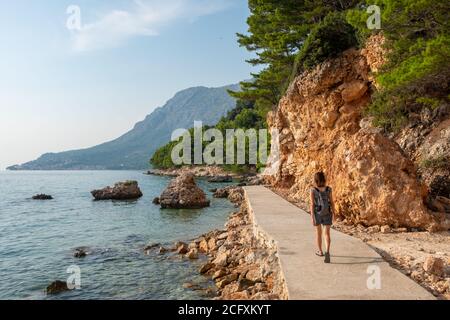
x,y
320,180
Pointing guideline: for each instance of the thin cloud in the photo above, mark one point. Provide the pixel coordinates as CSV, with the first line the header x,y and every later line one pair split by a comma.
x,y
143,18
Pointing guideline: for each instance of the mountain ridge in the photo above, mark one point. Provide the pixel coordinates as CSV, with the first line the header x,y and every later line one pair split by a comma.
x,y
133,149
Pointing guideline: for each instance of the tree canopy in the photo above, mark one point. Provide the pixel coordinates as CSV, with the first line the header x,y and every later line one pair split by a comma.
x,y
277,32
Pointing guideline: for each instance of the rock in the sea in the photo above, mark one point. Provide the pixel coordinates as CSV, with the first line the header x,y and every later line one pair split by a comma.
x,y
162,250
220,179
233,193
221,193
156,201
192,254
80,253
151,246
182,248
128,190
42,197
57,287
183,193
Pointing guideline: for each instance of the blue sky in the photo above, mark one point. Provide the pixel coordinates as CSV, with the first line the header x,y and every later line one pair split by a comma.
x,y
64,89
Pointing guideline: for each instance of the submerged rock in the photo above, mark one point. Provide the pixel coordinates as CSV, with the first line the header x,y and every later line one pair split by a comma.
x,y
128,190
80,253
182,248
152,246
183,193
57,287
220,179
42,197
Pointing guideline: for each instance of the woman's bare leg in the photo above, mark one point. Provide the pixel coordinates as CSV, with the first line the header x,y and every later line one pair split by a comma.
x,y
327,238
319,237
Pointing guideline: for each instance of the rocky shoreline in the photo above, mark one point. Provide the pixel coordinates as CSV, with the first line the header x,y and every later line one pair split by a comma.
x,y
242,263
197,171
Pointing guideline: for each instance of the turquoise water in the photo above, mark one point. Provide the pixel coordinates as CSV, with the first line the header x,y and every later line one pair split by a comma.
x,y
37,238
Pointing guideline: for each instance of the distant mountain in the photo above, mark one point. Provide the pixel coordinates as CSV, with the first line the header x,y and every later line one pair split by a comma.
x,y
134,149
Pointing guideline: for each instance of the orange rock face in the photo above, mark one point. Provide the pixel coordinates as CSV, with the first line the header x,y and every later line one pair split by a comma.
x,y
321,128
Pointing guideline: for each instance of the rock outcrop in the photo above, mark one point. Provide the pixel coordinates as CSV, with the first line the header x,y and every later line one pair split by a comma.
x,y
57,287
42,197
232,193
128,190
183,193
322,128
81,252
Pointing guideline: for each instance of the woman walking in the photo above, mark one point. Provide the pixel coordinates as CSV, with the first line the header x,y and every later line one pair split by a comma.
x,y
322,213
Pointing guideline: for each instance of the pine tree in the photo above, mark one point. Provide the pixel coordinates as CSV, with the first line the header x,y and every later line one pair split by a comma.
x,y
277,31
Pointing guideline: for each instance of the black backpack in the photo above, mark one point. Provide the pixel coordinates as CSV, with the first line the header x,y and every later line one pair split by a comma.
x,y
322,202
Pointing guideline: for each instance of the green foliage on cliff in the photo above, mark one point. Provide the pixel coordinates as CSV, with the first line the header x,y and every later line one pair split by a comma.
x,y
417,73
439,162
278,30
328,39
162,158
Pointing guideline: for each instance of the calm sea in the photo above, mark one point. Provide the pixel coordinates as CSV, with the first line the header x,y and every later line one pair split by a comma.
x,y
37,238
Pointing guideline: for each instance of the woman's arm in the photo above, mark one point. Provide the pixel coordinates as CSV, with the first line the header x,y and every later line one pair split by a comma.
x,y
311,201
333,209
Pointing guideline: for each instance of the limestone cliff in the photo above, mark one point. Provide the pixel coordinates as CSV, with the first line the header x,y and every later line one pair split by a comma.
x,y
322,127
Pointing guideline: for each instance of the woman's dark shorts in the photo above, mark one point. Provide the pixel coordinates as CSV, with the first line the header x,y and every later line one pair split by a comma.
x,y
323,220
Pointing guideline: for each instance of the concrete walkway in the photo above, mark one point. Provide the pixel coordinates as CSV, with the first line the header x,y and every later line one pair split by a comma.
x,y
306,275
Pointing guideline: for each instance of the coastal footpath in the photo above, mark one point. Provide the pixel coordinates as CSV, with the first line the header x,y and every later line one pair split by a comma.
x,y
356,271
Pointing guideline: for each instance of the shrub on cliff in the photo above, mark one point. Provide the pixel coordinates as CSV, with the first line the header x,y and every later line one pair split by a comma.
x,y
328,39
417,73
277,32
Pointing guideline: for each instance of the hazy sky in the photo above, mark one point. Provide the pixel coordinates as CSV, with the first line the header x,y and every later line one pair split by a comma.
x,y
64,89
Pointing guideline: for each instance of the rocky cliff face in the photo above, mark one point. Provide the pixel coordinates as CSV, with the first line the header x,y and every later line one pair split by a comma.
x,y
322,128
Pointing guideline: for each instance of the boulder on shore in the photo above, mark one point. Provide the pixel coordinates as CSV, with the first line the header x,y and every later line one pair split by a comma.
x,y
183,193
42,197
128,190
